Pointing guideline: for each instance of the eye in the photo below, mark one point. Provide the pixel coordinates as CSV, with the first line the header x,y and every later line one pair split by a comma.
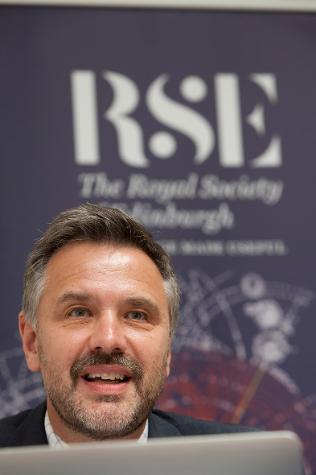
x,y
136,315
79,312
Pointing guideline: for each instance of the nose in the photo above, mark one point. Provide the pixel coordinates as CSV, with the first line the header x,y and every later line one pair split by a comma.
x,y
108,333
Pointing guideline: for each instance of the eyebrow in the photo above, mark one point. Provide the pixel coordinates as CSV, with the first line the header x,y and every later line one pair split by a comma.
x,y
142,302
71,296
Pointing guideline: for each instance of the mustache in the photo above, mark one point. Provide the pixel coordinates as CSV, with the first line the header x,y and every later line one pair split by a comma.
x,y
99,358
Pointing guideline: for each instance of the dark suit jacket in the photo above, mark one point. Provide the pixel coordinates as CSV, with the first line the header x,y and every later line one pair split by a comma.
x,y
27,427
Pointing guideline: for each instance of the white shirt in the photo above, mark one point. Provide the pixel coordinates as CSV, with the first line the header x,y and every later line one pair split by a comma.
x,y
55,441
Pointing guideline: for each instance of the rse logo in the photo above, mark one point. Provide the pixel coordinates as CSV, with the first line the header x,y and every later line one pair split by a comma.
x,y
173,114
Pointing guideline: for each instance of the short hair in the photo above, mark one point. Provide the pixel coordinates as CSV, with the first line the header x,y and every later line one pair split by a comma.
x,y
90,222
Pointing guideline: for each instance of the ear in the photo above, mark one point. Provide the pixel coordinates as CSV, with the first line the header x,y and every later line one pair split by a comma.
x,y
29,343
168,363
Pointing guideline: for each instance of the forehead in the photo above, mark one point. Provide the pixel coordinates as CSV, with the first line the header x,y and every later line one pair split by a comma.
x,y
96,264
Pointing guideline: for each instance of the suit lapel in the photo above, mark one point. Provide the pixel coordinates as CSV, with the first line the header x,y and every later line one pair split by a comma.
x,y
31,431
159,427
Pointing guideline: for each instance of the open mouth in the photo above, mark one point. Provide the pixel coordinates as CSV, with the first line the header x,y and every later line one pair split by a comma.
x,y
107,378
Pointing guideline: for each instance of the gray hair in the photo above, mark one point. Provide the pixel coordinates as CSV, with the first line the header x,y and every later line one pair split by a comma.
x,y
99,224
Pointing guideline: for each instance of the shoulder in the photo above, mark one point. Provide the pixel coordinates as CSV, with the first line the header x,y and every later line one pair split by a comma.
x,y
11,423
185,425
24,428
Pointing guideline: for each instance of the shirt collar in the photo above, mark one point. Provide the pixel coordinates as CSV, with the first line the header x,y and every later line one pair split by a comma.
x,y
55,441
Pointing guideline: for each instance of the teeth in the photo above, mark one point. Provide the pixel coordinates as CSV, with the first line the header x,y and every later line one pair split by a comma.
x,y
106,376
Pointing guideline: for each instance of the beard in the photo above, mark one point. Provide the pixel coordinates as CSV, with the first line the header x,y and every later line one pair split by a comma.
x,y
107,416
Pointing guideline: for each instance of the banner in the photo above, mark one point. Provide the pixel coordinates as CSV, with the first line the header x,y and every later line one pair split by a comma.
x,y
202,125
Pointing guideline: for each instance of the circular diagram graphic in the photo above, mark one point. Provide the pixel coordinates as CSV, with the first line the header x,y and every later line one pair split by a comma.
x,y
229,352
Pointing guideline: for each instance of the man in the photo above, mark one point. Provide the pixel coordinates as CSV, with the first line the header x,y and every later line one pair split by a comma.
x,y
100,306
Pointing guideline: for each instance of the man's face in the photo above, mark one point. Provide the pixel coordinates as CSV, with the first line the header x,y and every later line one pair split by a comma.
x,y
102,342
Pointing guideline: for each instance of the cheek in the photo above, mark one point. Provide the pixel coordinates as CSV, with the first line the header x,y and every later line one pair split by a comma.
x,y
155,351
58,349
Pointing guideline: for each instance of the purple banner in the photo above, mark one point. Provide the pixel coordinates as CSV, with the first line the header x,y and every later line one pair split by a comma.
x,y
202,125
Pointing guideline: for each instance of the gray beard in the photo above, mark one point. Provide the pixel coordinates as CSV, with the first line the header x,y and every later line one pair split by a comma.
x,y
101,425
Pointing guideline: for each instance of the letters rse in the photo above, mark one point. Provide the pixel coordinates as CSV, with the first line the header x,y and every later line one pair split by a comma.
x,y
173,114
